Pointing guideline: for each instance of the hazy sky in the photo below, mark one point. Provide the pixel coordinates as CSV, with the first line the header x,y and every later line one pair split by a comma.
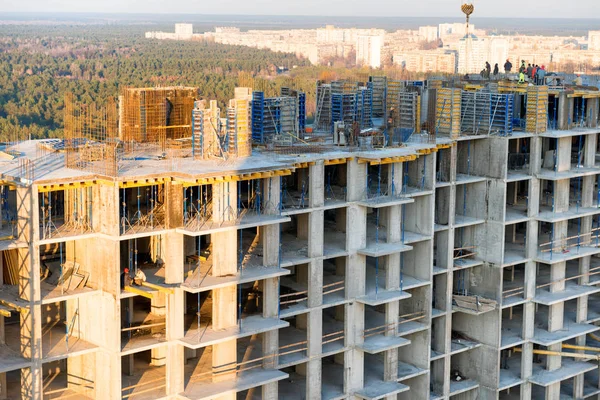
x,y
389,8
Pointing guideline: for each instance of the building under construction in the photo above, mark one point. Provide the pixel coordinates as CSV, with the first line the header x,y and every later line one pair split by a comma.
x,y
153,254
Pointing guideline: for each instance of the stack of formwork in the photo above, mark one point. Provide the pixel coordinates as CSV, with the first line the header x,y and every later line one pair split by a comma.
x,y
379,86
404,120
393,91
243,140
537,109
258,116
448,112
323,112
364,107
273,116
343,108
198,132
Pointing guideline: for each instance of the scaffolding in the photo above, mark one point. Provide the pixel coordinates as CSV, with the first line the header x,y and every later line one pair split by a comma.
x,y
156,115
91,137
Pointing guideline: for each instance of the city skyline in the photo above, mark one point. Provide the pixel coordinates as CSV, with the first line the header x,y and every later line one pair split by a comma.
x,y
427,8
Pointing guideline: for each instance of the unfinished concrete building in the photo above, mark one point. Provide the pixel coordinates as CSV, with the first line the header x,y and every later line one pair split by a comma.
x,y
458,265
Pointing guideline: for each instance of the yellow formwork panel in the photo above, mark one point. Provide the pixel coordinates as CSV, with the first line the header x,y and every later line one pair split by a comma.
x,y
536,117
448,109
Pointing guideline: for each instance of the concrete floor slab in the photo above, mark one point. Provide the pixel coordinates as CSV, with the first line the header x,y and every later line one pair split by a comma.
x,y
244,381
198,227
572,291
461,345
407,371
574,172
56,386
377,343
516,213
201,281
375,390
55,346
517,175
10,359
206,336
464,179
574,252
463,386
570,330
386,201
542,377
547,215
375,249
461,221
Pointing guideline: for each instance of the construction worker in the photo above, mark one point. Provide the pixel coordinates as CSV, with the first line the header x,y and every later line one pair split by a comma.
x,y
507,66
496,70
578,81
529,69
125,278
488,69
541,75
140,277
521,77
523,68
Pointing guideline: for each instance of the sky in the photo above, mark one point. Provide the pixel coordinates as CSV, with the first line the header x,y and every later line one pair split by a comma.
x,y
356,8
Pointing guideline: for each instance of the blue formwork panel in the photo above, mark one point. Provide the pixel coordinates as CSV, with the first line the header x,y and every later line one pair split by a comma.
x,y
258,115
302,112
501,114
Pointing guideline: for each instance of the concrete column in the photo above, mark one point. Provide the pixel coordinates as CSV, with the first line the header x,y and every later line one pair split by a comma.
x,y
270,339
270,238
175,352
271,195
315,233
105,209
314,329
174,205
563,154
592,113
357,176
224,253
315,283
563,111
29,289
224,354
317,184
224,201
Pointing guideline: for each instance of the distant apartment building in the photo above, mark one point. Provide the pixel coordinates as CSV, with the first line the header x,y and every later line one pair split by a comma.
x,y
428,33
368,50
182,32
474,52
427,61
594,40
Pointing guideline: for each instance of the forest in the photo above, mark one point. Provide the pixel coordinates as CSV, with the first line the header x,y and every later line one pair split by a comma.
x,y
40,63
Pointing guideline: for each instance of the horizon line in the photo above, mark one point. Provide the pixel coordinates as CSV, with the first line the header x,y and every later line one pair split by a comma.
x,y
286,15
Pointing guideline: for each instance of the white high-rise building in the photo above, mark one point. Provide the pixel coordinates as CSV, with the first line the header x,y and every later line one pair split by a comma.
x,y
184,30
472,54
428,33
594,40
368,50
